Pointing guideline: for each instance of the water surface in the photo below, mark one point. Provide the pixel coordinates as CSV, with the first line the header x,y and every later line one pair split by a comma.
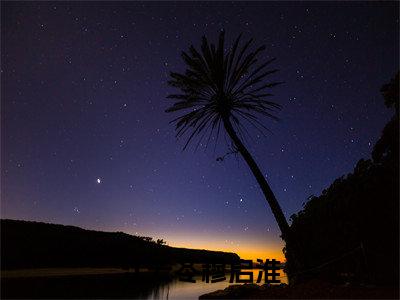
x,y
187,290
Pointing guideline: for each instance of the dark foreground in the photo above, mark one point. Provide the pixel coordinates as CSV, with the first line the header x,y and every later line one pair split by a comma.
x,y
104,286
311,290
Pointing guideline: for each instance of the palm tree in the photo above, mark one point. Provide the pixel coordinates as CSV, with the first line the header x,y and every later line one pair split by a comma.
x,y
226,87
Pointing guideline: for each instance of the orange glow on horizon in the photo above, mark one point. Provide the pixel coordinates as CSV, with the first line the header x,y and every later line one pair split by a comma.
x,y
249,250
246,246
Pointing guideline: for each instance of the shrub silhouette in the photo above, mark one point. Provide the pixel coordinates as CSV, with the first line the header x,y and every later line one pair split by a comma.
x,y
352,228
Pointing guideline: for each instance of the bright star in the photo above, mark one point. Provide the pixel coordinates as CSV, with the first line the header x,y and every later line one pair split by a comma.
x,y
98,180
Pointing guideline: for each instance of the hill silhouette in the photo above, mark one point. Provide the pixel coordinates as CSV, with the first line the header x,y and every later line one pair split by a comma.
x,y
28,244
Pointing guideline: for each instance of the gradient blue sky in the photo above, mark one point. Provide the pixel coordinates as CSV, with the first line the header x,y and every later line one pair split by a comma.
x,y
83,97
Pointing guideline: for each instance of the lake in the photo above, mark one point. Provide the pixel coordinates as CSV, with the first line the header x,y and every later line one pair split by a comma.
x,y
186,290
105,283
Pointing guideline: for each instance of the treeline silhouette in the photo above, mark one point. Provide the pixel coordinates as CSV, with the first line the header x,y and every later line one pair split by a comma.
x,y
27,244
351,231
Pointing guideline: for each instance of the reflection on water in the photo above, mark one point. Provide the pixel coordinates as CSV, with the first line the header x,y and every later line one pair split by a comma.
x,y
187,290
124,285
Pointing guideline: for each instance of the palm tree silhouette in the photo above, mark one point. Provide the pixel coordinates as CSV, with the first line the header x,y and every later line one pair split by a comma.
x,y
225,87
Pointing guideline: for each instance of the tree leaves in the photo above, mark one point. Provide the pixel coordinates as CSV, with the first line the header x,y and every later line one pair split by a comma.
x,y
221,84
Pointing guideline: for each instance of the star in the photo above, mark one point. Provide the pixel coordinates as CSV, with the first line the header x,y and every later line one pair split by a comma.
x,y
98,180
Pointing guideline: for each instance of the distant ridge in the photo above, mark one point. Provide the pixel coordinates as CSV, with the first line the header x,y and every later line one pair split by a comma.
x,y
28,244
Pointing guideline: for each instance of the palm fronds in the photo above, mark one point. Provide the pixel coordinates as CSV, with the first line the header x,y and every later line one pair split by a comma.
x,y
221,84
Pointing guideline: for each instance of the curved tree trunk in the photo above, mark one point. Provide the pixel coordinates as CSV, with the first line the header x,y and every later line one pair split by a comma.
x,y
269,195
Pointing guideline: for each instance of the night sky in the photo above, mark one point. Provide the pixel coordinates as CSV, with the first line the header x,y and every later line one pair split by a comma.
x,y
86,140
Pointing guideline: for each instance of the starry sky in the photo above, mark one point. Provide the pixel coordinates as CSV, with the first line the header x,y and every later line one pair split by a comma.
x,y
86,141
